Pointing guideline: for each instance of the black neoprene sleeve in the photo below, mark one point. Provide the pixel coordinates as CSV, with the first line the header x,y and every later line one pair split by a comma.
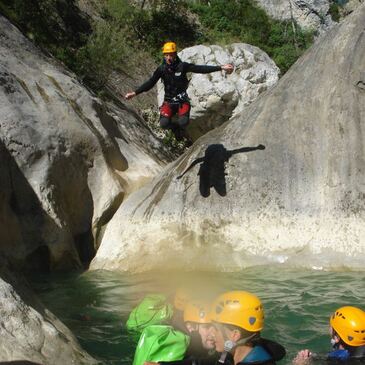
x,y
150,83
202,69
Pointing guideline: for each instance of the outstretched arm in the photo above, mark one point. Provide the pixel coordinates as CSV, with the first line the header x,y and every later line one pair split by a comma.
x,y
205,69
149,84
245,149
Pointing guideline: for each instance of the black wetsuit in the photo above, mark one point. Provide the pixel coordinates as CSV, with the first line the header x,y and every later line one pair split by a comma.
x,y
174,77
176,100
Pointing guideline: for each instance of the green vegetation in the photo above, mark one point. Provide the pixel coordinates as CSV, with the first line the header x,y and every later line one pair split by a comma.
x,y
52,24
125,32
336,9
225,22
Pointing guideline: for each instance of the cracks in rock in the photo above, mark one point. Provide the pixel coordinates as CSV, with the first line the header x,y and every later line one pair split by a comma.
x,y
310,10
42,93
25,88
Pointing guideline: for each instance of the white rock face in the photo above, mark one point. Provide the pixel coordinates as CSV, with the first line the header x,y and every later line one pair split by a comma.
x,y
68,160
299,201
350,6
28,331
216,97
312,14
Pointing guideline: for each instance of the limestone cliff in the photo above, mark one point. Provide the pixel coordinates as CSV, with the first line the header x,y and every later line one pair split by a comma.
x,y
68,159
309,14
301,200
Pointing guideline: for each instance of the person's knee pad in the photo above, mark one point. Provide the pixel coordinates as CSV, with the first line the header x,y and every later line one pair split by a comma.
x,y
183,121
184,114
165,122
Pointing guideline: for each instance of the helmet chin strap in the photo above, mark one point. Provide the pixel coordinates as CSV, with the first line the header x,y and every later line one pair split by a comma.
x,y
243,341
230,345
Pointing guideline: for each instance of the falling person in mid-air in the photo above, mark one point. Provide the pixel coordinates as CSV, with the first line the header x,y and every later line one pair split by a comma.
x,y
173,73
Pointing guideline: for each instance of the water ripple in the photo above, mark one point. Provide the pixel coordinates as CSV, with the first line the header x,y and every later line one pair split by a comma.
x,y
297,302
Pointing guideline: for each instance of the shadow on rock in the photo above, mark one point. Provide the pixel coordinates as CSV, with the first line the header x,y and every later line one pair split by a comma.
x,y
212,169
34,230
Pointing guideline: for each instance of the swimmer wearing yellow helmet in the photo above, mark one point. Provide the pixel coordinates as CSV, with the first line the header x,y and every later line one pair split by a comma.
x,y
347,330
239,318
201,332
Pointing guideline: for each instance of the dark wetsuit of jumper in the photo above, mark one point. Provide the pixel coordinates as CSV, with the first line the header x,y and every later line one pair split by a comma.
x,y
175,80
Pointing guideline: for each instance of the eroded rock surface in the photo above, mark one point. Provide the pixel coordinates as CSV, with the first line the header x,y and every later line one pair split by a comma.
x,y
216,97
68,160
300,201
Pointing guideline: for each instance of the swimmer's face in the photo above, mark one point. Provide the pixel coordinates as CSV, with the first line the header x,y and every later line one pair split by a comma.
x,y
222,335
207,333
219,339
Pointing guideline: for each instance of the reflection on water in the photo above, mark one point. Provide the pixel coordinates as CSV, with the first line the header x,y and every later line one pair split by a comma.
x,y
95,305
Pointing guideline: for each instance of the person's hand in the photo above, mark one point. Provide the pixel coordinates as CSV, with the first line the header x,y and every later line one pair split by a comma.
x,y
303,357
228,68
261,147
150,363
130,95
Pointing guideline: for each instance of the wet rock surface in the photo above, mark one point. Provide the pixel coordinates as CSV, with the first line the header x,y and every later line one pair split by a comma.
x,y
30,332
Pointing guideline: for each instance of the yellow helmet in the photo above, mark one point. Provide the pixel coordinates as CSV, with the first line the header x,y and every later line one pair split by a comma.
x,y
197,312
181,298
169,47
349,324
239,308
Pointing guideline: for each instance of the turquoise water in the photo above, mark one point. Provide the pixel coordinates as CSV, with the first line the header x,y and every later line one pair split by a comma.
x,y
95,305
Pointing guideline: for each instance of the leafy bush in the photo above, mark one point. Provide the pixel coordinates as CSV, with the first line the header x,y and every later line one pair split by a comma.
x,y
105,51
334,11
124,32
51,23
150,28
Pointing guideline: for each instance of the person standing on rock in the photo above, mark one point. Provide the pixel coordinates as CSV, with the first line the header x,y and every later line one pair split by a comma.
x,y
173,73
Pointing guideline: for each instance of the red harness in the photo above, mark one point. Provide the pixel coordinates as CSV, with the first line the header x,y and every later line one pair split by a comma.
x,y
170,109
